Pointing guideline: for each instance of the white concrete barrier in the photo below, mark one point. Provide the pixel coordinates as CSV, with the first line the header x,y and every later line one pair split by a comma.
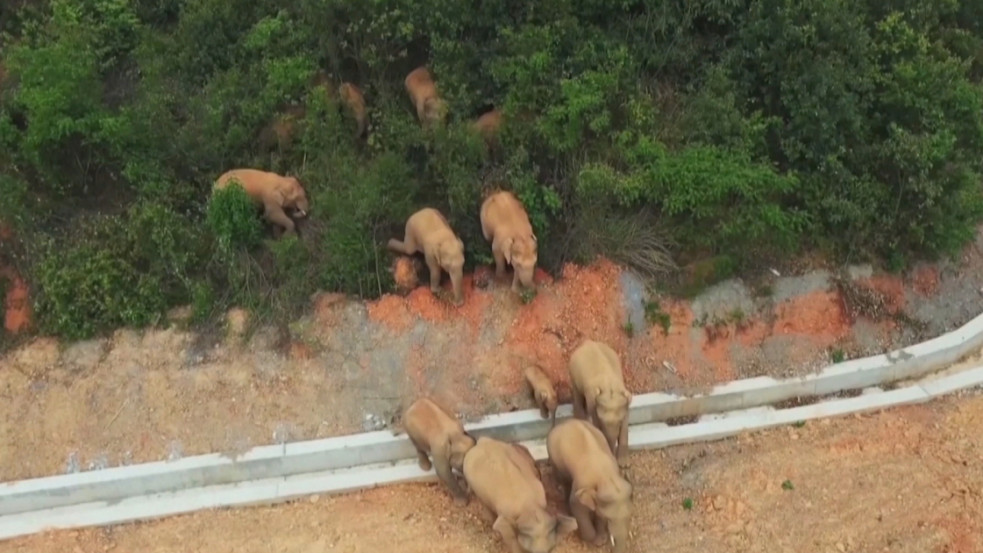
x,y
301,459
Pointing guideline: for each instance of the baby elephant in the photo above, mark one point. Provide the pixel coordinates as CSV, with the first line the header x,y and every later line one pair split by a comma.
x,y
505,480
543,392
599,392
436,433
585,465
427,231
271,191
430,108
505,223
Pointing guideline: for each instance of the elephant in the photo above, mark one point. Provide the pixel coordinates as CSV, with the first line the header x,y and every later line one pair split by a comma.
x,y
505,223
435,433
599,393
352,96
273,192
281,131
488,124
543,392
430,108
506,481
427,231
584,464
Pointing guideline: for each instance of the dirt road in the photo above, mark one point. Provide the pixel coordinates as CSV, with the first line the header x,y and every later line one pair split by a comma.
x,y
904,480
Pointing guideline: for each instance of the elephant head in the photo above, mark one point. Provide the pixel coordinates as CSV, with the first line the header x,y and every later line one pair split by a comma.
x,y
612,501
538,531
295,196
459,445
450,257
612,408
522,255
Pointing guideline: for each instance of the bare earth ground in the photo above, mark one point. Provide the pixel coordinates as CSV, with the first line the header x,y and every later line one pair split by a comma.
x,y
906,480
351,366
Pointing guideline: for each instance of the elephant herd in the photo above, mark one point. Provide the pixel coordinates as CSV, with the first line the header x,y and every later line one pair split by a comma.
x,y
586,453
504,220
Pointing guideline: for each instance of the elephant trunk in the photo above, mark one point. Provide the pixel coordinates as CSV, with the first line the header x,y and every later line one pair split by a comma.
x,y
526,276
611,433
456,279
619,533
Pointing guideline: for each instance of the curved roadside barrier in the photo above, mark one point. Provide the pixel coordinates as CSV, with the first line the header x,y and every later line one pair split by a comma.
x,y
277,473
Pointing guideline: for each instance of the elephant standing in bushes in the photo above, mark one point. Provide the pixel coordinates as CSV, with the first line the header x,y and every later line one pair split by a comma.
x,y
599,393
505,223
488,125
435,433
430,108
427,231
273,192
583,462
506,481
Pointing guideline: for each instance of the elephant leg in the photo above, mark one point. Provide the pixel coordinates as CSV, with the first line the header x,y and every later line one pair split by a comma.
x,y
504,529
591,411
443,466
407,247
434,274
622,454
579,407
422,456
499,264
583,515
274,214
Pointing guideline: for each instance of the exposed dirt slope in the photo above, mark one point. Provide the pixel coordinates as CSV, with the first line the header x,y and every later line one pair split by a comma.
x,y
350,366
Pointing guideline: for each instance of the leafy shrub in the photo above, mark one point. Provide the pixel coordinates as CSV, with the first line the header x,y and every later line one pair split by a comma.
x,y
714,131
87,289
712,197
233,218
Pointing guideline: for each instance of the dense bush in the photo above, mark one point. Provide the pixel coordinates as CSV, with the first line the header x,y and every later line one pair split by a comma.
x,y
650,132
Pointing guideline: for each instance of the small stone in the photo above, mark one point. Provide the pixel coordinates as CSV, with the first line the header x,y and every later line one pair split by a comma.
x,y
719,503
840,547
315,498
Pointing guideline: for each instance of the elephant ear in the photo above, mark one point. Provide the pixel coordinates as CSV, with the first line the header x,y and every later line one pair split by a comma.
x,y
587,497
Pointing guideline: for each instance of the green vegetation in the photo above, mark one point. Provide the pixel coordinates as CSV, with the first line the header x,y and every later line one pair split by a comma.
x,y
655,315
711,131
